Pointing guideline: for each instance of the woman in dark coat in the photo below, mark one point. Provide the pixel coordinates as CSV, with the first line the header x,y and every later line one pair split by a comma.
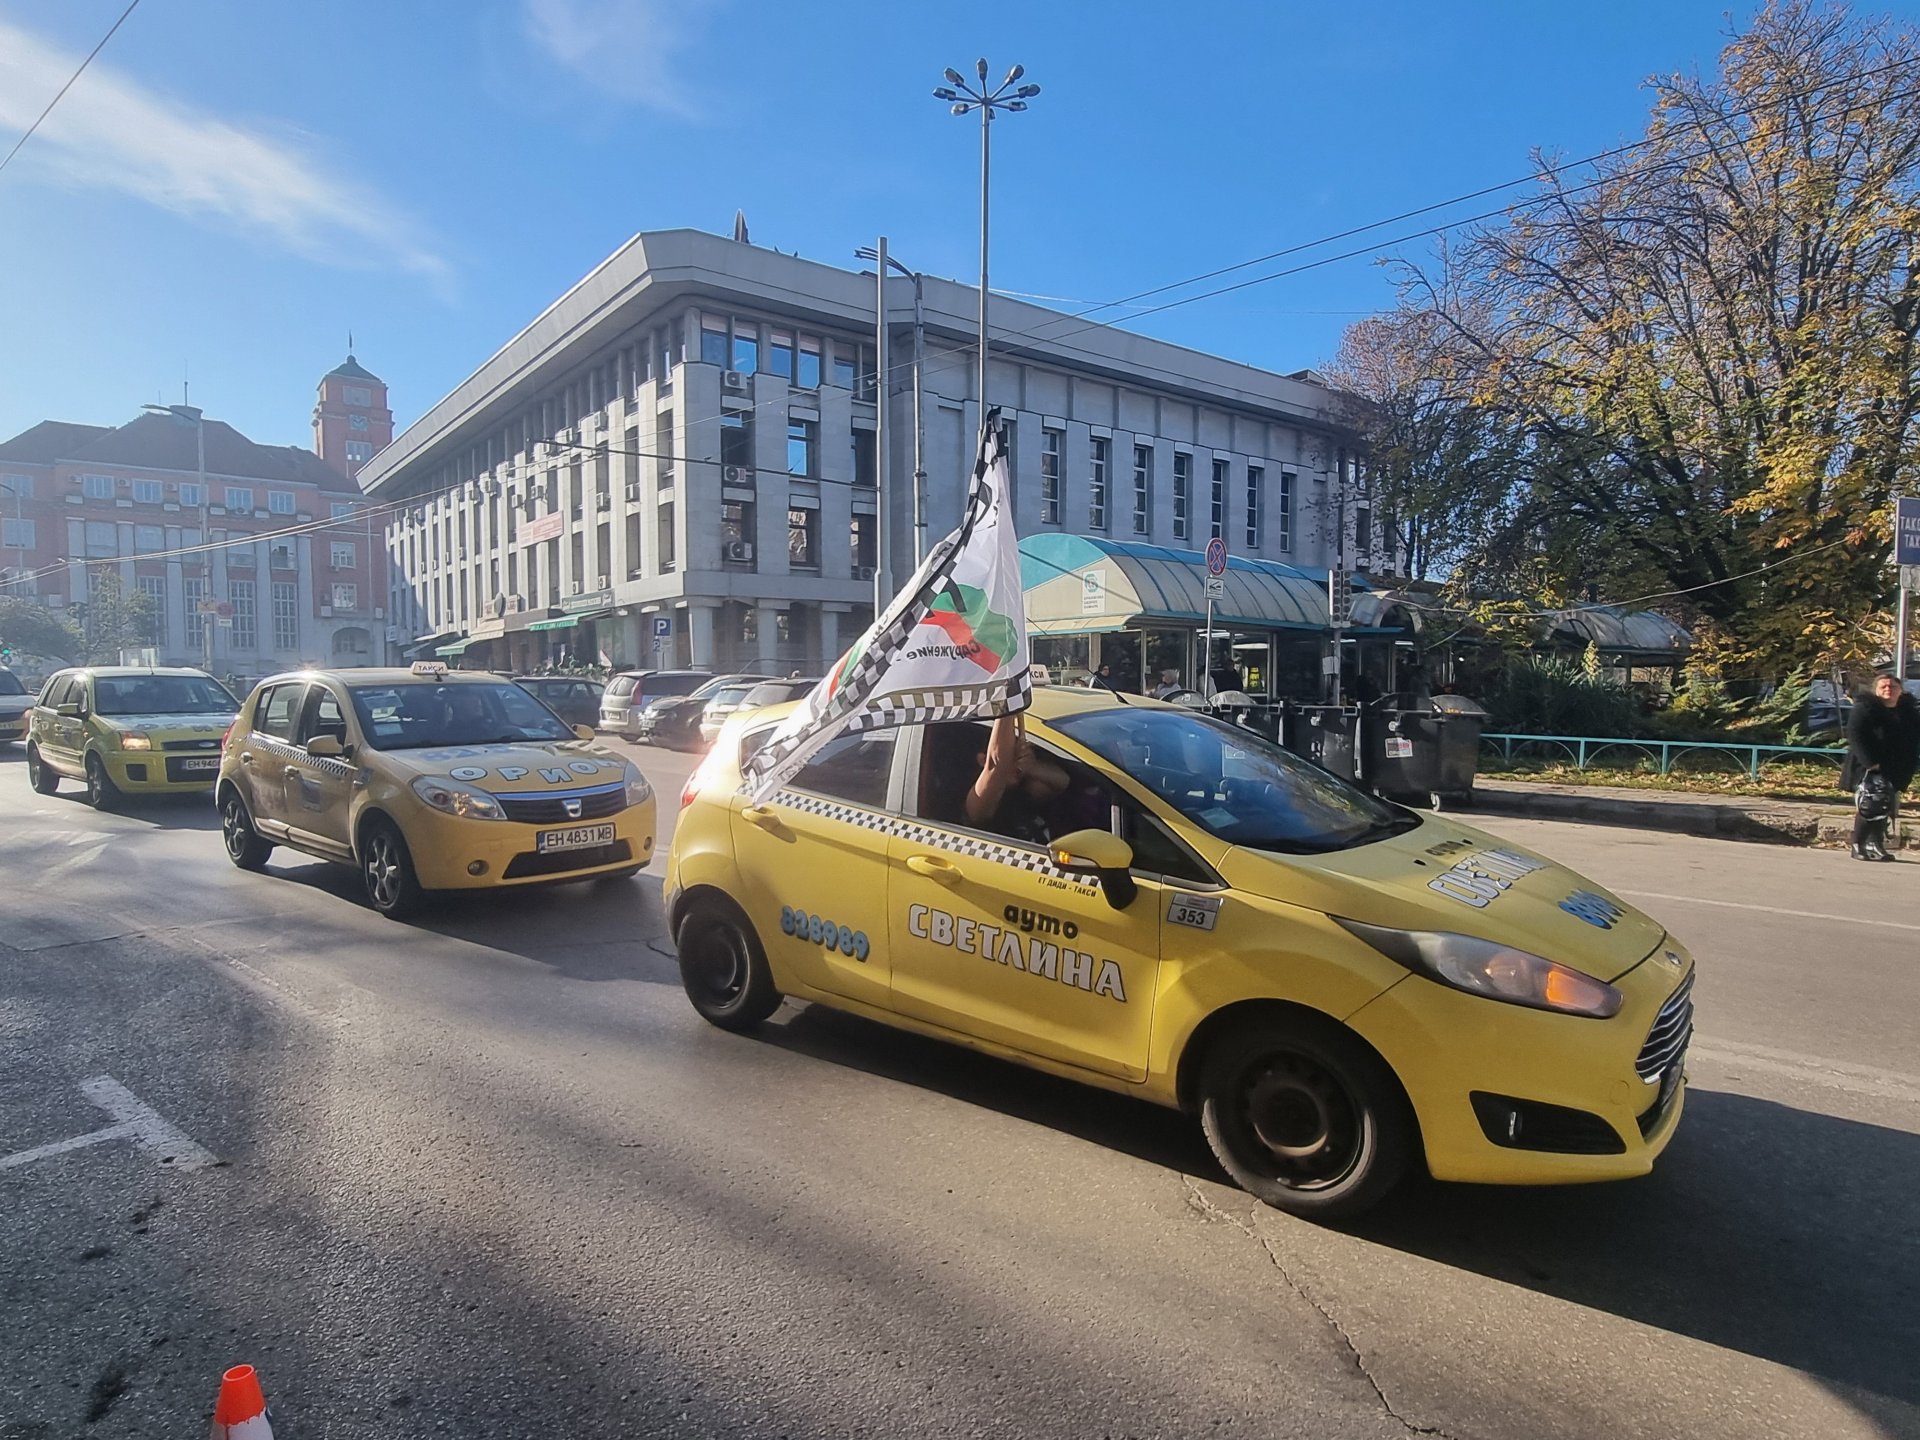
x,y
1883,738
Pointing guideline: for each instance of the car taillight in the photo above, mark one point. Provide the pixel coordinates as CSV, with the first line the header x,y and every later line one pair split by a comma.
x,y
226,736
690,789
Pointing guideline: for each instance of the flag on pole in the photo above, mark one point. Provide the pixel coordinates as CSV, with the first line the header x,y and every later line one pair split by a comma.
x,y
952,645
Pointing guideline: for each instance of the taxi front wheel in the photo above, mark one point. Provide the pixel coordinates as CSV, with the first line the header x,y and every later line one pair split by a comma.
x,y
723,966
102,793
1305,1118
385,864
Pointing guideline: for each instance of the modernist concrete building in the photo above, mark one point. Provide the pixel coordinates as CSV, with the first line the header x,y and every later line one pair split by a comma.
x,y
675,463
256,557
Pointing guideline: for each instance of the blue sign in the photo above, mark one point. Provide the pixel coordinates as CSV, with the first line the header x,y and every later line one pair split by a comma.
x,y
1906,530
662,626
1216,556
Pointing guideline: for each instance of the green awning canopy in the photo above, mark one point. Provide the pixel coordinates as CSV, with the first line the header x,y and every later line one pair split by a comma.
x,y
459,647
565,622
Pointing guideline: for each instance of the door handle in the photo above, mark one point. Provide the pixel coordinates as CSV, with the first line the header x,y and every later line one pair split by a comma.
x,y
934,868
246,757
765,816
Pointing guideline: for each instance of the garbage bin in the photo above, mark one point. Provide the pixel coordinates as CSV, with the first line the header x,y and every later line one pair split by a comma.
x,y
1327,738
1432,752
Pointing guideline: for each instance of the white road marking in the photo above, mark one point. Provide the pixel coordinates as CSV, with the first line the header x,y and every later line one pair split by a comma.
x,y
1810,1069
135,1121
1769,909
74,861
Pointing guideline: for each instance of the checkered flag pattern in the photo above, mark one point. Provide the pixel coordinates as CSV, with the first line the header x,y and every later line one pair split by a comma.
x,y
852,697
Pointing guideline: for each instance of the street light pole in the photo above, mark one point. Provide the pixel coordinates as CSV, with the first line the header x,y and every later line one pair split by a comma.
x,y
964,99
882,402
867,252
199,419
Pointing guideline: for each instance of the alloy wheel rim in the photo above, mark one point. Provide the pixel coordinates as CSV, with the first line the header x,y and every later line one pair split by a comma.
x,y
230,825
383,871
1303,1127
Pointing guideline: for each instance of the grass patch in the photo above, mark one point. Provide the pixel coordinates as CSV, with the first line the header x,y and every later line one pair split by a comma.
x,y
1695,774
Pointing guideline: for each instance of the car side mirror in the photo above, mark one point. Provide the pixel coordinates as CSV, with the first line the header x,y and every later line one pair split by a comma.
x,y
71,710
326,747
583,732
1102,854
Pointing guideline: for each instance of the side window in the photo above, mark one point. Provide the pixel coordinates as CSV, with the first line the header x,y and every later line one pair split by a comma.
x,y
1155,849
58,692
323,716
1055,796
853,768
279,711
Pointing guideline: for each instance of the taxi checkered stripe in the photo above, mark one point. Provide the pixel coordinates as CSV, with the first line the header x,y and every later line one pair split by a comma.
x,y
976,847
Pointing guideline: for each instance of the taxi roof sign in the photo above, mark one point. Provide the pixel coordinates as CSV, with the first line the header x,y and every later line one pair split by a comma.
x,y
435,668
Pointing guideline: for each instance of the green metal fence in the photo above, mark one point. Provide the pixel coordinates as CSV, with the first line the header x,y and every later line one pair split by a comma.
x,y
1582,750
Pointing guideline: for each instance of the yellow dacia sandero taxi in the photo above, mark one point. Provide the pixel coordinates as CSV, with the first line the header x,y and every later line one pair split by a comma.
x,y
426,780
127,730
1170,906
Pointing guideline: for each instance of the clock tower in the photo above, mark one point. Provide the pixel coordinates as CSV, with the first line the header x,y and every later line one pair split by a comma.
x,y
351,421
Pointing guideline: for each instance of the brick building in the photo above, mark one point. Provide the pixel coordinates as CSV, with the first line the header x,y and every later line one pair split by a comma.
x,y
257,557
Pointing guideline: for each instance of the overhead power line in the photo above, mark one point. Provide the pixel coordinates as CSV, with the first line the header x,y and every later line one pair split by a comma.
x,y
68,86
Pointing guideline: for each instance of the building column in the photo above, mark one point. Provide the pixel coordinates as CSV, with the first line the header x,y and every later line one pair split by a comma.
x,y
700,634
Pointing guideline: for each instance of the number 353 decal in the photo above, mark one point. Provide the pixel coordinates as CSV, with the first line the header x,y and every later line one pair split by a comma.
x,y
803,926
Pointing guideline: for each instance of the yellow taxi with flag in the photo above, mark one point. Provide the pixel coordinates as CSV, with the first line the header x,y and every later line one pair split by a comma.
x,y
1169,906
427,780
127,730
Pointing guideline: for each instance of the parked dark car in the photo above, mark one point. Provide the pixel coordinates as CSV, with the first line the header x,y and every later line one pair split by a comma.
x,y
574,700
674,720
731,699
628,692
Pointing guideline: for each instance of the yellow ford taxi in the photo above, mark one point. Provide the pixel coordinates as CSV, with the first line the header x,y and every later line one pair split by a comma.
x,y
1169,906
127,730
426,780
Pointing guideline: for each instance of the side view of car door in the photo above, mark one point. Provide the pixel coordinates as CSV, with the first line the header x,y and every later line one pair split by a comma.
x,y
264,753
316,795
63,726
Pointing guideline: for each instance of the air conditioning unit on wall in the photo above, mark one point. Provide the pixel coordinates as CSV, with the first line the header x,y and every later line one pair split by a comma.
x,y
739,550
863,572
733,380
736,474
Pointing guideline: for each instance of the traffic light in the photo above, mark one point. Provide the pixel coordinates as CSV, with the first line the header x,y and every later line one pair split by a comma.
x,y
1339,596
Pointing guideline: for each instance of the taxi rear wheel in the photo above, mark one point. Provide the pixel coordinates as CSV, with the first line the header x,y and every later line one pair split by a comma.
x,y
724,967
102,793
387,868
244,845
1305,1118
40,775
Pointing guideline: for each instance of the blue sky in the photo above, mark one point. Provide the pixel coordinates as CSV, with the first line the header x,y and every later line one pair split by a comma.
x,y
233,186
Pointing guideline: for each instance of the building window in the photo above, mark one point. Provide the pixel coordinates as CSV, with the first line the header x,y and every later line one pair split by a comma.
x,y
356,422
780,353
97,487
1099,466
358,452
1256,482
663,445
746,347
238,498
356,395
736,528
665,538
1285,513
18,533
149,492
1050,480
19,487
845,365
1182,492
802,445
864,537
195,589
193,494
1217,502
866,469
147,539
803,539
713,340
345,555
246,623
807,377
280,556
280,502
154,587
286,616
240,555
736,444
345,596
1142,489
1362,533
102,538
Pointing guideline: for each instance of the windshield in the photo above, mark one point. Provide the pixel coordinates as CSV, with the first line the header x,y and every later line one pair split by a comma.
x,y
160,695
415,717
776,692
621,685
1235,785
670,683
729,694
10,684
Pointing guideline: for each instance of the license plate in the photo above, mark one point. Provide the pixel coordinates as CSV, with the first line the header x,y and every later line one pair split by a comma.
x,y
581,837
201,762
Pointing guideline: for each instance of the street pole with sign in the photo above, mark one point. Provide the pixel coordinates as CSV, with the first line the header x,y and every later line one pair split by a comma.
x,y
1216,587
1906,554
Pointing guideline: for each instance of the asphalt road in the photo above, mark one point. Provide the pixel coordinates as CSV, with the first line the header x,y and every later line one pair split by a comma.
x,y
489,1176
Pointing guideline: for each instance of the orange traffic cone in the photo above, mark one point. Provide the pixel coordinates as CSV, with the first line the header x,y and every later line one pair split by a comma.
x,y
241,1411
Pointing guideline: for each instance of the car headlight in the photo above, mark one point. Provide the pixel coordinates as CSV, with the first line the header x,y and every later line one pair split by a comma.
x,y
637,787
1499,972
461,800
134,740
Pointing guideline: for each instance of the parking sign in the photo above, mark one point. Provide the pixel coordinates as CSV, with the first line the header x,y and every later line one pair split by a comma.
x,y
662,626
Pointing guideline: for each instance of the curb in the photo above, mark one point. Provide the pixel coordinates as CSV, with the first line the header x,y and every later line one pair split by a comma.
x,y
1761,821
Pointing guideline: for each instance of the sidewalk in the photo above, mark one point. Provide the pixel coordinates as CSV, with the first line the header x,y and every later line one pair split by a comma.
x,y
1780,822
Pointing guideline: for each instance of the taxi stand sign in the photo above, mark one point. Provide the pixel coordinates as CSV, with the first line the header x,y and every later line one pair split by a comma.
x,y
1906,554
